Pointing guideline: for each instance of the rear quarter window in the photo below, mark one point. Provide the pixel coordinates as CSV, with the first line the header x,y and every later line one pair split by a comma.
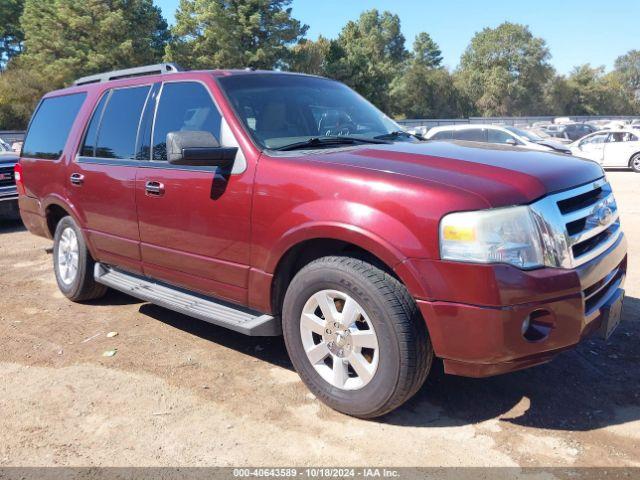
x,y
50,126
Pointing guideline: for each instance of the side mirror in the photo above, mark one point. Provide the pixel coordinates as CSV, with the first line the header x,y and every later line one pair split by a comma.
x,y
511,141
198,148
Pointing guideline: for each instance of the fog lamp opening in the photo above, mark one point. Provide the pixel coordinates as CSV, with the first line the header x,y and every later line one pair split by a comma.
x,y
537,326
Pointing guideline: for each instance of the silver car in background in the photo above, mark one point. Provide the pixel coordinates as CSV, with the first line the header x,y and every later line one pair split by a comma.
x,y
611,148
500,134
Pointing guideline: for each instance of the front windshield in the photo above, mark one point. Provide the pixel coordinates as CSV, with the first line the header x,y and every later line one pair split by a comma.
x,y
529,135
283,109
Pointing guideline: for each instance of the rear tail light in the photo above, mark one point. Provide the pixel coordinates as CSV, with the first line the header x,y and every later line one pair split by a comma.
x,y
19,179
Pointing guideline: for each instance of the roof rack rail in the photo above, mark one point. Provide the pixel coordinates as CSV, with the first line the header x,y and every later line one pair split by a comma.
x,y
129,72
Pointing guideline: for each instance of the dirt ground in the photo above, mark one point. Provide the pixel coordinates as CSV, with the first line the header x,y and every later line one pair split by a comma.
x,y
181,392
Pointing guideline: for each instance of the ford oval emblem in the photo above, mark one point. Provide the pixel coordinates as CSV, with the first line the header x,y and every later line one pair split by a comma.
x,y
604,215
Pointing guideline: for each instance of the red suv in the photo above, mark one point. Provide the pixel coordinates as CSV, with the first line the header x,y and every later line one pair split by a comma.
x,y
274,203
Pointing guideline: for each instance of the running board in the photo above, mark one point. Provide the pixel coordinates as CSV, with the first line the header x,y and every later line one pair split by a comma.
x,y
219,313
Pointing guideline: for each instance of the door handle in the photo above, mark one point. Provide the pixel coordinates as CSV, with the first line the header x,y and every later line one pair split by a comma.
x,y
77,178
154,189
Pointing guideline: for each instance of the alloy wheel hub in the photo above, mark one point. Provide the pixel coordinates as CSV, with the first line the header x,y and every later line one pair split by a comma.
x,y
68,256
339,339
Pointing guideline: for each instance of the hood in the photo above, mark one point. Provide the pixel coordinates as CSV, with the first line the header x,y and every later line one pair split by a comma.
x,y
501,175
555,144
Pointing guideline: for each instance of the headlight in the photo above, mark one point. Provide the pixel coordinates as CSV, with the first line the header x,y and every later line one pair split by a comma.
x,y
501,235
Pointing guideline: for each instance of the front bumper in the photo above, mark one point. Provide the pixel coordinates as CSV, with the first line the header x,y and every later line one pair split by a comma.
x,y
476,316
9,202
8,194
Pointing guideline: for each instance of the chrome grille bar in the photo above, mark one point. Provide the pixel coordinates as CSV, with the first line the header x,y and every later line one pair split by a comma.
x,y
581,230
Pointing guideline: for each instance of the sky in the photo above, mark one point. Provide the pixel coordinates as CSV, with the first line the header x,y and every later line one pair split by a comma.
x,y
576,31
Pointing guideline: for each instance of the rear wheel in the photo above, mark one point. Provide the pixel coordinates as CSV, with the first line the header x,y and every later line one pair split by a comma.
x,y
634,163
355,336
73,264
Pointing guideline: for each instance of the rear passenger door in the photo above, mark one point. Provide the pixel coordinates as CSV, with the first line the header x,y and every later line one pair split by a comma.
x,y
194,221
102,178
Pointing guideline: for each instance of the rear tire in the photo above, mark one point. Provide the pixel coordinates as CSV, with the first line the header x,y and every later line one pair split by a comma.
x,y
365,382
634,163
73,264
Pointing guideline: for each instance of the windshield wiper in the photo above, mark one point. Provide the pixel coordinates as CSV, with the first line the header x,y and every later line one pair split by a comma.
x,y
320,142
398,133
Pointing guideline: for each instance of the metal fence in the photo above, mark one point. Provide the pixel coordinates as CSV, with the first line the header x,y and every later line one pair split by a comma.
x,y
515,121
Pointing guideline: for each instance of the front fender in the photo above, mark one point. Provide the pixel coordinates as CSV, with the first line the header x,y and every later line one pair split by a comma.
x,y
350,222
353,223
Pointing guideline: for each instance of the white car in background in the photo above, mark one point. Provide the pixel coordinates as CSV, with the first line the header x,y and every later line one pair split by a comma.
x,y
500,134
611,148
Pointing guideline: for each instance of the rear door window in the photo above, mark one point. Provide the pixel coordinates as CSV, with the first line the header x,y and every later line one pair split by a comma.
x,y
184,106
51,125
118,128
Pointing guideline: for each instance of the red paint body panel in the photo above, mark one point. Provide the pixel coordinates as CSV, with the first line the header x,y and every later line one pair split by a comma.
x,y
186,230
226,236
106,208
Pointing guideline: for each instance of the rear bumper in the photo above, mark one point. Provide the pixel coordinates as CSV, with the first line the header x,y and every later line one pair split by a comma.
x,y
481,338
31,217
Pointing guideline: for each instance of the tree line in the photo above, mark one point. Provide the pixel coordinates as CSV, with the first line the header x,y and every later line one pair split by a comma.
x,y
505,71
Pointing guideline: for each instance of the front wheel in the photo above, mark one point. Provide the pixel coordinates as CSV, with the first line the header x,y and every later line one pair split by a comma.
x,y
634,163
355,336
73,264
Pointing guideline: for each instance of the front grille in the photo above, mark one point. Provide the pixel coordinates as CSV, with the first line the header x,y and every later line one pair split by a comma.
x,y
6,176
581,201
579,224
591,220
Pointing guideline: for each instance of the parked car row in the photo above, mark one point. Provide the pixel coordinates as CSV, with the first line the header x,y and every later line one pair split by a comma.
x,y
618,148
570,131
496,134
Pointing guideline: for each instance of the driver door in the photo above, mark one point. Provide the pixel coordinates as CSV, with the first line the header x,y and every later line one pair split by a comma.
x,y
592,146
194,220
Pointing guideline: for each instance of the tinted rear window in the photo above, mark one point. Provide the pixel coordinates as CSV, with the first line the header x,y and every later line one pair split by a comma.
x,y
51,125
119,126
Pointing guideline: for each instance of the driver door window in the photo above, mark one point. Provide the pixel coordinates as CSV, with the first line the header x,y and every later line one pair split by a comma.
x,y
184,106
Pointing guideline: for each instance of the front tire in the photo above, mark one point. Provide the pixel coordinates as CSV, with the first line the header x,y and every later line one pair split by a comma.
x,y
634,163
355,336
73,264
